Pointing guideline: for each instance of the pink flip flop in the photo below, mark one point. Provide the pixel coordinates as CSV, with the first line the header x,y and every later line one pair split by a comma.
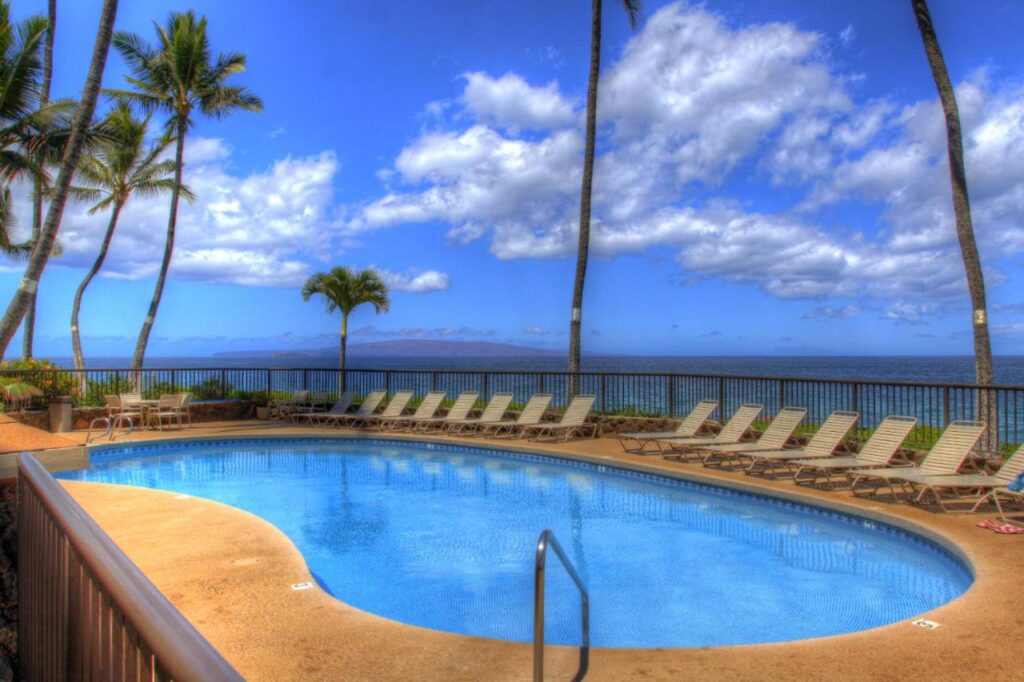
x,y
991,524
1008,529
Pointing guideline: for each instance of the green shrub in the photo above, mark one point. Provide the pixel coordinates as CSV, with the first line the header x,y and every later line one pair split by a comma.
x,y
211,389
44,375
96,390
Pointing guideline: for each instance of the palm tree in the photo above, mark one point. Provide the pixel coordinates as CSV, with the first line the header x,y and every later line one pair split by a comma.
x,y
19,80
345,290
632,8
41,250
120,167
178,77
962,210
29,325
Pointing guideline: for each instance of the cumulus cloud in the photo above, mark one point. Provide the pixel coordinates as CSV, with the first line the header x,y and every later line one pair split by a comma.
x,y
692,102
511,102
414,281
259,229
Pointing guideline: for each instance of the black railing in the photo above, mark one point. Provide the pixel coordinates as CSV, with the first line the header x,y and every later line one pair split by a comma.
x,y
627,394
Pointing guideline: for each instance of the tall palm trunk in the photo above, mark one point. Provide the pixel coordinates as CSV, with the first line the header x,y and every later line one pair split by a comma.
x,y
583,251
40,254
342,350
28,328
147,325
962,210
76,339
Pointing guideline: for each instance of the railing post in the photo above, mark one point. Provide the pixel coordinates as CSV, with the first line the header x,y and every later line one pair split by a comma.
x,y
433,381
174,381
854,397
268,383
387,381
945,406
782,393
305,380
485,387
721,398
671,402
604,402
540,376
223,384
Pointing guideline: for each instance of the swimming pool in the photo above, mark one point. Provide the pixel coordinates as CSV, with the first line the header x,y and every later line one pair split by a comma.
x,y
442,536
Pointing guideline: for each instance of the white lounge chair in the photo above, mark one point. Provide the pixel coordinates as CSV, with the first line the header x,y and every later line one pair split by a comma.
x,y
687,428
531,414
878,451
732,432
456,413
492,414
775,436
573,422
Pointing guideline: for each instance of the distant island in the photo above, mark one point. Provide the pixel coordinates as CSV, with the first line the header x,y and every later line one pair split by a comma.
x,y
406,348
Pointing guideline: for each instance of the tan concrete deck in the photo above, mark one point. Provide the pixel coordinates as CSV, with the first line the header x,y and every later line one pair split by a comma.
x,y
229,572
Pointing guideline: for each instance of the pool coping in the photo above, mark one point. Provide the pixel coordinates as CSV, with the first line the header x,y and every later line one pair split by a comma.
x,y
643,465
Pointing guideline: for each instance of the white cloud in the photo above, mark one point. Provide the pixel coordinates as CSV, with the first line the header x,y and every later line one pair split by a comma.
x,y
534,330
259,229
512,103
414,281
690,103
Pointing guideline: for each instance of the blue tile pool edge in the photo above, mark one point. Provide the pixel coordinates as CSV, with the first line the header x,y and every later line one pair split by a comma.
x,y
876,521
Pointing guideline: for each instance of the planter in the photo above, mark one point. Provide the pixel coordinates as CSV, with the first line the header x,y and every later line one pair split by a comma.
x,y
263,413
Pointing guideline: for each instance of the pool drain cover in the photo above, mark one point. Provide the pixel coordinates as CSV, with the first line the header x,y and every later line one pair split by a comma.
x,y
926,624
302,586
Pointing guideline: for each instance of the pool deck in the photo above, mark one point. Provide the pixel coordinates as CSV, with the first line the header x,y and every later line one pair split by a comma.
x,y
230,573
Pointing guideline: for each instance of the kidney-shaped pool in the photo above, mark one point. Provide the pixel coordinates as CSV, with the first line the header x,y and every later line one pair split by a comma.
x,y
443,537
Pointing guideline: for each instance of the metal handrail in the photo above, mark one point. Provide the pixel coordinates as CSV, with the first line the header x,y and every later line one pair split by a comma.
x,y
86,607
547,539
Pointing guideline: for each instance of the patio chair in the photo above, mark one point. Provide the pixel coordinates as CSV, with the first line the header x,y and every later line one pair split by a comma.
x,y
283,408
427,408
878,451
965,488
456,413
492,414
168,408
395,407
366,409
945,457
732,432
686,429
117,416
186,408
340,406
573,422
821,445
317,403
775,436
532,413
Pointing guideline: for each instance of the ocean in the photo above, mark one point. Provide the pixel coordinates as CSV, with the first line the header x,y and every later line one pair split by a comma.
x,y
1009,370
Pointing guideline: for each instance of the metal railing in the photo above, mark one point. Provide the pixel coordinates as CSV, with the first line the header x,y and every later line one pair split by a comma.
x,y
84,610
548,540
629,394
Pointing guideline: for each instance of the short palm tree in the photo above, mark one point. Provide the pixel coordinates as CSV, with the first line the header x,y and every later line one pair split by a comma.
x,y
179,77
79,132
344,289
632,8
121,166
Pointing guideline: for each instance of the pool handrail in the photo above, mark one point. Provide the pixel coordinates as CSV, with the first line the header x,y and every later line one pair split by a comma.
x,y
85,609
548,540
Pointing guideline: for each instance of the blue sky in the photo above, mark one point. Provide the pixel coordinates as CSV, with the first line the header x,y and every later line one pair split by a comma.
x,y
771,179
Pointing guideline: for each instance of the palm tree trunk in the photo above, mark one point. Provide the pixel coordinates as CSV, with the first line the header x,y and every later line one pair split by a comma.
x,y
29,326
40,254
147,325
76,340
341,352
962,210
583,251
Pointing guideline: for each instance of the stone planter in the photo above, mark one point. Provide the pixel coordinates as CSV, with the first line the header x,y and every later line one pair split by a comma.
x,y
263,412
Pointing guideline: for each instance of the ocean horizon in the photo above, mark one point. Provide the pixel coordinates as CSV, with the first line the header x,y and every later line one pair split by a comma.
x,y
1009,369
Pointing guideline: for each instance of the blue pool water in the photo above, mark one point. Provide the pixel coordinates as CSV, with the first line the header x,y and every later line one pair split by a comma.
x,y
443,537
